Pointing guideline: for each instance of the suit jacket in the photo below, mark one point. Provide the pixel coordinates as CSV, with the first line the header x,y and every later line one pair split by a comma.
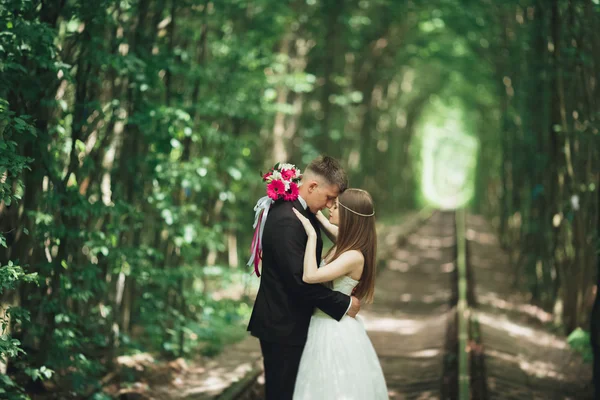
x,y
284,303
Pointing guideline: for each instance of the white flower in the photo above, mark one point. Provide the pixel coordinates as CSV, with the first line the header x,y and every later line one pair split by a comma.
x,y
276,175
287,185
298,173
286,166
575,202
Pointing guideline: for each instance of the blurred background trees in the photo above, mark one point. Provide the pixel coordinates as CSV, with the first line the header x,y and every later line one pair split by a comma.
x,y
132,133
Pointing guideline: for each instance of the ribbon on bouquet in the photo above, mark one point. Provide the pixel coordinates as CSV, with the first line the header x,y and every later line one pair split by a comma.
x,y
261,210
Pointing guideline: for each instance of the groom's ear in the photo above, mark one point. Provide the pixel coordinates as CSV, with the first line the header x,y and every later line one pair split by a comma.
x,y
312,185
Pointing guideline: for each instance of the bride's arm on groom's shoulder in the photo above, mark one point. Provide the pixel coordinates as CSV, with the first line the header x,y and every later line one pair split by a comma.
x,y
347,262
330,229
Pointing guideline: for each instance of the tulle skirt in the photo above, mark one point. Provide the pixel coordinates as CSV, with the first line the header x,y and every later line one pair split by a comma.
x,y
339,362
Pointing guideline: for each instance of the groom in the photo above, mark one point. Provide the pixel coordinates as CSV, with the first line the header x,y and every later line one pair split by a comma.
x,y
285,303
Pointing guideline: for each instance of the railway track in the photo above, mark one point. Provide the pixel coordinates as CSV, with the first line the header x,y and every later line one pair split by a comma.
x,y
429,331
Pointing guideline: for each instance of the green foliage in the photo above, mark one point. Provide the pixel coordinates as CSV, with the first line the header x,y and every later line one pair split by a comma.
x,y
11,163
121,242
579,340
11,275
10,390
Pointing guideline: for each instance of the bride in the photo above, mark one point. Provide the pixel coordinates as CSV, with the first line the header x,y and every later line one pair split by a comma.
x,y
338,361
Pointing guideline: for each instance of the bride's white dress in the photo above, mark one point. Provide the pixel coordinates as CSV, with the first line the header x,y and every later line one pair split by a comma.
x,y
339,362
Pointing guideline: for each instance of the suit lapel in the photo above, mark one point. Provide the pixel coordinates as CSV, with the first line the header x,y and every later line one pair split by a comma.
x,y
298,206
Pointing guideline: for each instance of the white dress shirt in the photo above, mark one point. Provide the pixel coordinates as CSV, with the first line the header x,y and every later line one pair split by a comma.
x,y
304,205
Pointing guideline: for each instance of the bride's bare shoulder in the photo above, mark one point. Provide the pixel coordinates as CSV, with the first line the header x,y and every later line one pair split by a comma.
x,y
353,256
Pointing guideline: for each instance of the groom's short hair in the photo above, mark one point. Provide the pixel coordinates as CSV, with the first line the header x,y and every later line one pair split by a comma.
x,y
329,169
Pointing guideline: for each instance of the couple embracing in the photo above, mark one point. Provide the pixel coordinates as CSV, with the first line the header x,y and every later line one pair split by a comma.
x,y
304,313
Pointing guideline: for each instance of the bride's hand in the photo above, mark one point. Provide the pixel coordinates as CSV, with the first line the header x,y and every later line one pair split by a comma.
x,y
310,230
321,217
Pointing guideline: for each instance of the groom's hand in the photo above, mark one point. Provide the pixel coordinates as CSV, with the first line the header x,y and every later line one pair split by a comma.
x,y
354,308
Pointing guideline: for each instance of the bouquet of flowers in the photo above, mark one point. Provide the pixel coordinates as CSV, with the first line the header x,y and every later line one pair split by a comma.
x,y
282,182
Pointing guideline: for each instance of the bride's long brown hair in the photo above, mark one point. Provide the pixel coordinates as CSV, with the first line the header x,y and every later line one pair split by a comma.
x,y
357,232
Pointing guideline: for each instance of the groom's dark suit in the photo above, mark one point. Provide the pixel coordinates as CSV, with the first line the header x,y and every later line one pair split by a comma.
x,y
285,303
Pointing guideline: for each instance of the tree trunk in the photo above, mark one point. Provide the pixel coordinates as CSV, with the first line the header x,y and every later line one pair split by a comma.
x,y
595,317
332,11
280,153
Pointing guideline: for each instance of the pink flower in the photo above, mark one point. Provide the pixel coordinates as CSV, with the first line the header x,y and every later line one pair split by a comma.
x,y
288,174
292,194
267,175
275,189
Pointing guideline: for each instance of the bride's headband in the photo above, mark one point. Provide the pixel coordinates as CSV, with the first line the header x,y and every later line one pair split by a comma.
x,y
356,212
